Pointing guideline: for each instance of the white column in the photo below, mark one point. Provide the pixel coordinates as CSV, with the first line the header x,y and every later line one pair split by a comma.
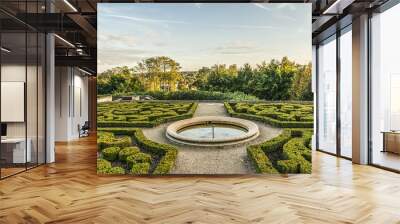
x,y
360,90
50,98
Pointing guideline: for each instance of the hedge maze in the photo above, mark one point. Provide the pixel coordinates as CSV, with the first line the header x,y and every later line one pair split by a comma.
x,y
282,115
290,152
128,151
123,149
142,114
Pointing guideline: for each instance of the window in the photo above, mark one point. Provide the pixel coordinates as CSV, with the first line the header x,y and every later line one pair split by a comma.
x,y
327,95
385,89
346,92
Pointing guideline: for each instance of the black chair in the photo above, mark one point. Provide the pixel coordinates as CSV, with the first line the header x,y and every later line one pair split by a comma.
x,y
84,130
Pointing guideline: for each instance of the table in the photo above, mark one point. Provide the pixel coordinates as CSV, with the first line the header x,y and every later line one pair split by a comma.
x,y
13,150
391,141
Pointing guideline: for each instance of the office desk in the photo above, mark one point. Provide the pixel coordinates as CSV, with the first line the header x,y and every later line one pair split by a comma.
x,y
13,150
391,141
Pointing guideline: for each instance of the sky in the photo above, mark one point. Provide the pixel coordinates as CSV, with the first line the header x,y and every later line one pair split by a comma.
x,y
200,34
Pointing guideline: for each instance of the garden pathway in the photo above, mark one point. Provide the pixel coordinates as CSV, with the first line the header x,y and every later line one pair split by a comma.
x,y
202,160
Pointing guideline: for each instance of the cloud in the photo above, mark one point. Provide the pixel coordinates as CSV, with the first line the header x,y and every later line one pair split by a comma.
x,y
198,5
237,47
262,6
238,26
123,40
146,20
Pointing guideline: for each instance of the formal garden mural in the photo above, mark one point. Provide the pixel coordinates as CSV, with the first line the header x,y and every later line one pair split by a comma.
x,y
204,89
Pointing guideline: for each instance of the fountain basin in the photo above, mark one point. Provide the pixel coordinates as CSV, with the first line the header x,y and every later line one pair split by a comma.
x,y
212,131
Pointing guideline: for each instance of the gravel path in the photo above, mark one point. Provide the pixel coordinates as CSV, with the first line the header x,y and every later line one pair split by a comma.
x,y
202,160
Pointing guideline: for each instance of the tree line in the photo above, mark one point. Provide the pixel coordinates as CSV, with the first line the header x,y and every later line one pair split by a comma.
x,y
277,80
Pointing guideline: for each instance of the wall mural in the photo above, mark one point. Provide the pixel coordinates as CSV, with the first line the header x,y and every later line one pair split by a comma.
x,y
204,89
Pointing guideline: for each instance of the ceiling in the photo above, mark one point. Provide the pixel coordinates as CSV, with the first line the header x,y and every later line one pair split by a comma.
x,y
75,22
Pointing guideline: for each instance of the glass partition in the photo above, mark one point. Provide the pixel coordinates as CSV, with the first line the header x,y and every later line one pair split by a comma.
x,y
22,77
14,153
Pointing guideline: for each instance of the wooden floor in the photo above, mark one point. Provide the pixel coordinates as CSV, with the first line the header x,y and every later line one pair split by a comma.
x,y
69,191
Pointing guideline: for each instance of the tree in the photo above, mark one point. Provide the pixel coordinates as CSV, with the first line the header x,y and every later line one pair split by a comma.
x,y
118,80
159,73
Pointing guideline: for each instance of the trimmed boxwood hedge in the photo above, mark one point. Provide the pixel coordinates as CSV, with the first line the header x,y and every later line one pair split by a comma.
x,y
107,139
111,153
138,158
166,153
142,114
260,160
274,114
105,167
140,168
128,151
289,152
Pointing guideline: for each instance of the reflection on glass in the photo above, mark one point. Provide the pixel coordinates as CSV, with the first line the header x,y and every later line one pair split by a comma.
x,y
14,151
327,96
346,93
385,84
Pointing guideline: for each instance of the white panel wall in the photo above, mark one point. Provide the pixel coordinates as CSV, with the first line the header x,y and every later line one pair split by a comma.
x,y
71,102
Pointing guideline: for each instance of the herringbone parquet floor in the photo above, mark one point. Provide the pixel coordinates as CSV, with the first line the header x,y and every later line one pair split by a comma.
x,y
69,191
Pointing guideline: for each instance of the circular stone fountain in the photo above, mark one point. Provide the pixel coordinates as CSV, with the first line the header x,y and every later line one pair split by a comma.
x,y
212,131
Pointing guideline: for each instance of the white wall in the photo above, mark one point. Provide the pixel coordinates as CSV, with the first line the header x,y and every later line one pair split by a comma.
x,y
71,102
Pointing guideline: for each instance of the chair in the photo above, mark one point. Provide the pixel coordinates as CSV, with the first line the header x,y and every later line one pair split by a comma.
x,y
84,130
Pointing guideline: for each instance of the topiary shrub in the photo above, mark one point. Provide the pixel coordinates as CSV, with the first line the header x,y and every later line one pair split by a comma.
x,y
138,158
287,153
140,168
283,115
116,170
260,161
142,114
128,151
107,139
105,167
102,165
166,153
111,153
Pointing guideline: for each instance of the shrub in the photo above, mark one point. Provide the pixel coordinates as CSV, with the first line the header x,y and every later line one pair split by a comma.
x,y
279,115
103,164
140,168
105,167
167,153
138,158
116,170
286,153
260,161
111,153
277,142
128,151
200,95
107,139
142,114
